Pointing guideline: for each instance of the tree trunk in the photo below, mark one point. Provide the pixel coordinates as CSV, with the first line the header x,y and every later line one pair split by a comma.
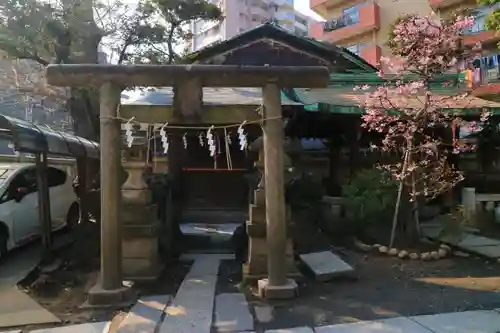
x,y
416,218
398,199
83,104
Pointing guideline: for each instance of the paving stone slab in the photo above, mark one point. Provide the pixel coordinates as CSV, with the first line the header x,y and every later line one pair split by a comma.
x,y
99,327
472,241
192,308
145,315
196,256
264,313
326,265
391,325
461,322
18,309
232,313
292,330
487,251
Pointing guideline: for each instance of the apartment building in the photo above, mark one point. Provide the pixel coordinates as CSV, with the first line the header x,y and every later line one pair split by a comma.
x,y
485,75
363,26
243,15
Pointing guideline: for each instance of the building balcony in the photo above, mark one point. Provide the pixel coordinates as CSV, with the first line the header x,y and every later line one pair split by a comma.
x,y
323,7
346,27
479,34
484,82
444,4
482,37
258,11
371,54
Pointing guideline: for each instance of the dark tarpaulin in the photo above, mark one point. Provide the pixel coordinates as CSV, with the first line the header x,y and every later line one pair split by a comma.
x,y
30,138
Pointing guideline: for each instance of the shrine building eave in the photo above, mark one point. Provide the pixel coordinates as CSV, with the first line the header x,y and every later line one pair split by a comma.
x,y
445,84
220,105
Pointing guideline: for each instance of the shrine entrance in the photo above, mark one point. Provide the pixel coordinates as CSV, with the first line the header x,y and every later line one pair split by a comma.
x,y
216,182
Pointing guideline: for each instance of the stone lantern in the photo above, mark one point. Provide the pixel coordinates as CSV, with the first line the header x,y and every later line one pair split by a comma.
x,y
256,266
139,217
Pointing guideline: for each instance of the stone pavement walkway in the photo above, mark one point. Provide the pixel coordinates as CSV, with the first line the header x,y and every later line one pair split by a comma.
x,y
16,307
482,321
469,242
197,308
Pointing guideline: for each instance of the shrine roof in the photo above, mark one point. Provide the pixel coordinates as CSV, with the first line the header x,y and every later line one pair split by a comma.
x,y
351,102
211,96
338,56
339,97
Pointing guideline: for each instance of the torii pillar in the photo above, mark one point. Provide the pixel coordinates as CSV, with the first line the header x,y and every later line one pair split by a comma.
x,y
110,288
277,285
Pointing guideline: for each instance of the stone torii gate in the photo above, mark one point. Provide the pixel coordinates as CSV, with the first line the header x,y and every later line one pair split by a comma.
x,y
188,82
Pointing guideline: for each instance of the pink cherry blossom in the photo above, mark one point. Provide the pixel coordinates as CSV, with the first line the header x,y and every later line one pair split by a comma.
x,y
413,120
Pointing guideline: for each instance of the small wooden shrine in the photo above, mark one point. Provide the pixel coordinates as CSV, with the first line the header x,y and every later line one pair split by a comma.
x,y
126,217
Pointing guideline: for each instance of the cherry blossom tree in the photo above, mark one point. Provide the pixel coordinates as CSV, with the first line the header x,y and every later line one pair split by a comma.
x,y
412,120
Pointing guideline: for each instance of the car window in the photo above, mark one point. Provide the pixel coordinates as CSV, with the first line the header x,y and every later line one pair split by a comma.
x,y
55,177
26,179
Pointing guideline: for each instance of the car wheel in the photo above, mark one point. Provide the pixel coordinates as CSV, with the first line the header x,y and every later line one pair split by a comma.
x,y
74,216
3,244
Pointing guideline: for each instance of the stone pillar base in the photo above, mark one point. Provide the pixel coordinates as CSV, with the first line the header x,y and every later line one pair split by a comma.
x,y
140,259
287,291
251,275
140,243
97,296
256,267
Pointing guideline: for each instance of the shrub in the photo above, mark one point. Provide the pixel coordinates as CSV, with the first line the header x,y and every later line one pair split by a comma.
x,y
370,197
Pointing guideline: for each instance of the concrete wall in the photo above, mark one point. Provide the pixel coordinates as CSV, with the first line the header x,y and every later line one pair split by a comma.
x,y
241,15
389,11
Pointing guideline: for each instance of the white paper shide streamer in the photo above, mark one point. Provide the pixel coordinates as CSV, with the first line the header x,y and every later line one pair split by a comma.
x,y
242,137
128,133
201,139
164,139
211,142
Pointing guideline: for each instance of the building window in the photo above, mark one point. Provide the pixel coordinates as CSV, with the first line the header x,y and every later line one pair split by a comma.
x,y
300,32
480,19
215,30
349,17
351,14
479,24
356,49
301,20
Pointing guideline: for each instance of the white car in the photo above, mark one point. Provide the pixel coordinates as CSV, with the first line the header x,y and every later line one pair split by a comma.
x,y
19,218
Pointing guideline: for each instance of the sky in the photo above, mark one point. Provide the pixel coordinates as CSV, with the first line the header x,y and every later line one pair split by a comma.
x,y
303,7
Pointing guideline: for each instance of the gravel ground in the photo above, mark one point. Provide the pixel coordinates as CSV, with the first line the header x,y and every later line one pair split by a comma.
x,y
385,287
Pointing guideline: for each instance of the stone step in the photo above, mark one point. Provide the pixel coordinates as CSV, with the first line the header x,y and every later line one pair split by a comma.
x,y
214,216
100,327
232,313
292,330
190,256
145,315
192,308
326,265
